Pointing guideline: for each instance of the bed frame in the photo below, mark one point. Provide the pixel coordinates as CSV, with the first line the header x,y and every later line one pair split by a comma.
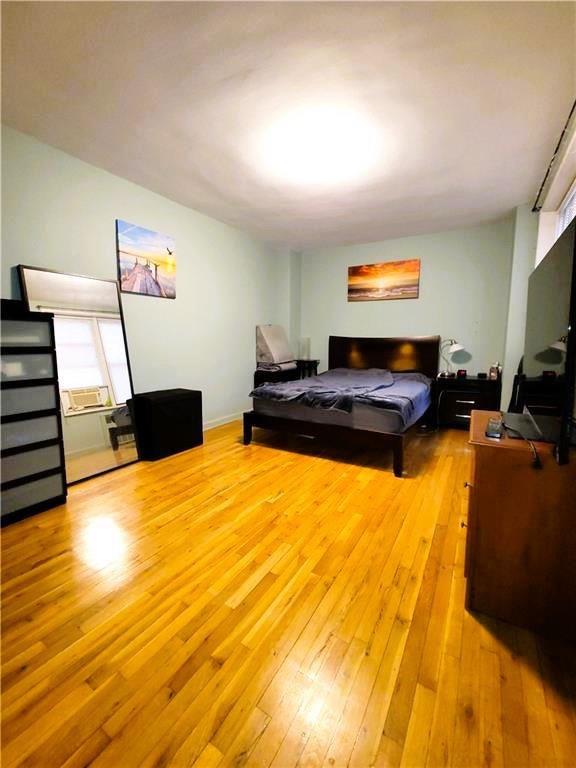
x,y
400,355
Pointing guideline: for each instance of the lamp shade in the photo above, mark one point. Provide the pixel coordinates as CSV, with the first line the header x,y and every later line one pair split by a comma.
x,y
454,347
559,344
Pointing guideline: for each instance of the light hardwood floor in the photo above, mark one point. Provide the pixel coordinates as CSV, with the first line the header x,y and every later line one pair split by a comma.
x,y
255,605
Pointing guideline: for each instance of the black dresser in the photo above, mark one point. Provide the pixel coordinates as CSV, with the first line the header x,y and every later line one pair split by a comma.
x,y
455,399
32,449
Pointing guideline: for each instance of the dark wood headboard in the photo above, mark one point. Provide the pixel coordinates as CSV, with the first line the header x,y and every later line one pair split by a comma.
x,y
400,354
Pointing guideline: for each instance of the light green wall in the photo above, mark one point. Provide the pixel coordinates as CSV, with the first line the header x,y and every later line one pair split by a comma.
x,y
295,298
464,288
85,432
280,258
287,292
59,213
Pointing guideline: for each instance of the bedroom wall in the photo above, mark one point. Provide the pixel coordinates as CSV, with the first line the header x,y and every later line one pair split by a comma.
x,y
59,213
464,290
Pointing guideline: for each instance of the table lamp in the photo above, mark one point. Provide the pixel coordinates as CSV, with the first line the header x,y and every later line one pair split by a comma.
x,y
447,349
559,344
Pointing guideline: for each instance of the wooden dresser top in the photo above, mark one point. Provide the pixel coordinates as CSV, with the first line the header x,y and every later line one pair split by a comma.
x,y
478,424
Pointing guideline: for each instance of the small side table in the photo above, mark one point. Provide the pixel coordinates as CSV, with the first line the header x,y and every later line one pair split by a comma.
x,y
114,431
307,368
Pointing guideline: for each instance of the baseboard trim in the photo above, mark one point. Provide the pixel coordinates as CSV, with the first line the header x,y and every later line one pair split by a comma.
x,y
222,420
89,449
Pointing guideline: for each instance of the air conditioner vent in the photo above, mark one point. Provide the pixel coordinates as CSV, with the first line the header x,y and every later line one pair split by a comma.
x,y
88,397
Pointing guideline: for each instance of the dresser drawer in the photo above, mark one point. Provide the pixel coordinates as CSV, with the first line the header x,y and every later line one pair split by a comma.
x,y
29,399
16,434
25,333
29,366
30,494
28,463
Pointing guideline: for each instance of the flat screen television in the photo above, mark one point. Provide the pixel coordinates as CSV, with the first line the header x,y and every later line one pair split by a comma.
x,y
550,341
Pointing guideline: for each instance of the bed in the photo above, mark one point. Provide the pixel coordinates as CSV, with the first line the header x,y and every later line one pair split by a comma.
x,y
380,420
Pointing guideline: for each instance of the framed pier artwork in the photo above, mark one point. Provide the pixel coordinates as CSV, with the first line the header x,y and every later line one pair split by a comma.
x,y
146,261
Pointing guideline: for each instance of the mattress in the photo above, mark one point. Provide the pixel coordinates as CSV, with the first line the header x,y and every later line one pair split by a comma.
x,y
368,399
364,417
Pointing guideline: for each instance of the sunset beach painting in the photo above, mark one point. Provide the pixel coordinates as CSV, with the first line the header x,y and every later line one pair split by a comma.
x,y
146,261
388,280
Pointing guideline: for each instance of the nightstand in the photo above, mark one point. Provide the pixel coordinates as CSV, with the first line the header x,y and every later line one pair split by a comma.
x,y
454,399
307,368
263,377
304,368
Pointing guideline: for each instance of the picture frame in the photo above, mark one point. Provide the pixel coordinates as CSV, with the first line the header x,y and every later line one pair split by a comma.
x,y
384,281
146,261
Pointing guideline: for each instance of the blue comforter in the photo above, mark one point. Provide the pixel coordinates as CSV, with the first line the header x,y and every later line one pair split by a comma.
x,y
340,388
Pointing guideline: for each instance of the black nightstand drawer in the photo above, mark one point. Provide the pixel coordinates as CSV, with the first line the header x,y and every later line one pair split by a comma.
x,y
467,401
455,407
455,400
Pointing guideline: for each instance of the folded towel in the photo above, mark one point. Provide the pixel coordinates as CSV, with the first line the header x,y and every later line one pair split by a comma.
x,y
277,366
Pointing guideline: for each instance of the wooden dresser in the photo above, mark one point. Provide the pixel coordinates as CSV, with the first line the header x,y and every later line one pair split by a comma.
x,y
521,537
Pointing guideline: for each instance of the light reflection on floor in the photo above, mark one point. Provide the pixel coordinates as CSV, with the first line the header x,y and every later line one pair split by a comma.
x,y
102,545
314,710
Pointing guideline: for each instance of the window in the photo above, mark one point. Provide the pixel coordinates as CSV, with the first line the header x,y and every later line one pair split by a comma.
x,y
551,224
91,353
76,352
112,339
567,211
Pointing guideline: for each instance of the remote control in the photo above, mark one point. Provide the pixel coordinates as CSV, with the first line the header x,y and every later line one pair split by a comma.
x,y
494,428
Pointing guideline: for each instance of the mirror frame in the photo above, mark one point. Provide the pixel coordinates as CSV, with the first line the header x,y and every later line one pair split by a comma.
x,y
24,295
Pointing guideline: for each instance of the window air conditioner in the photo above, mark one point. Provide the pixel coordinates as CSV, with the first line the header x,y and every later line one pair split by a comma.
x,y
88,397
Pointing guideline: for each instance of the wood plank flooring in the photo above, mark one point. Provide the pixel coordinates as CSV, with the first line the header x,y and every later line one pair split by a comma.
x,y
262,606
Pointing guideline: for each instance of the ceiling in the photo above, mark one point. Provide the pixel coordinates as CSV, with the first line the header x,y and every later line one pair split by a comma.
x,y
469,100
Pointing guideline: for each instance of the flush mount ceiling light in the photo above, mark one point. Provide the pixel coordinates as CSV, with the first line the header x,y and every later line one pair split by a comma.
x,y
320,146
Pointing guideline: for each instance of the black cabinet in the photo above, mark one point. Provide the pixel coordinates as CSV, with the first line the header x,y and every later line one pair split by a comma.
x,y
166,422
455,399
32,450
541,395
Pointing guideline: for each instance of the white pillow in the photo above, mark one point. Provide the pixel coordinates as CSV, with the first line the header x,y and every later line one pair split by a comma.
x,y
272,345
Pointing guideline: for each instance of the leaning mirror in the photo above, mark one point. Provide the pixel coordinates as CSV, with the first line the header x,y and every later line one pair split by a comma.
x,y
93,368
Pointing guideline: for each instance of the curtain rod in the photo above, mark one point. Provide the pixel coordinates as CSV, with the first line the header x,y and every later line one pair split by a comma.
x,y
536,208
78,312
